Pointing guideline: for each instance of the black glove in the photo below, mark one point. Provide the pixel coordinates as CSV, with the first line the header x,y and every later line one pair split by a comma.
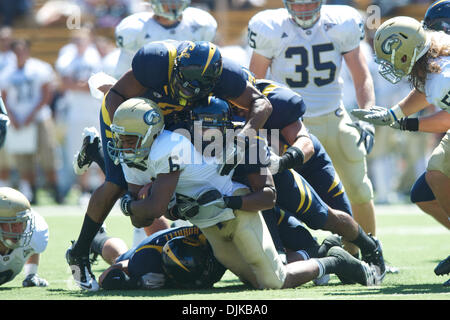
x,y
187,207
125,204
232,158
367,134
33,280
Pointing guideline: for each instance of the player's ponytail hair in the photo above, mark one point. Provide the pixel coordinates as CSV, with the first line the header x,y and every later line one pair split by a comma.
x,y
440,47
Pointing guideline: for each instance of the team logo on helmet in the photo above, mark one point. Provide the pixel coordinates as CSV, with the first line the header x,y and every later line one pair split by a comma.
x,y
152,117
391,43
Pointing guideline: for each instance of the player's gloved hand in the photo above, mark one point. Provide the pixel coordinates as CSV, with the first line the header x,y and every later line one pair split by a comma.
x,y
233,155
125,204
4,122
379,116
187,207
409,124
292,158
33,280
366,134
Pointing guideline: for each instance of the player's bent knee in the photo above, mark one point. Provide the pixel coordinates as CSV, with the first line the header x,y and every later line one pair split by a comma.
x,y
421,191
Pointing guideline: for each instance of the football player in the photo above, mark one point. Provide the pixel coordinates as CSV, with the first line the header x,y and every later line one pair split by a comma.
x,y
23,237
404,48
296,190
174,74
4,121
303,44
177,257
188,185
170,19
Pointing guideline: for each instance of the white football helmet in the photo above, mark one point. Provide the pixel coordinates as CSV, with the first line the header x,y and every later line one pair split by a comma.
x,y
399,42
138,117
169,9
304,18
16,219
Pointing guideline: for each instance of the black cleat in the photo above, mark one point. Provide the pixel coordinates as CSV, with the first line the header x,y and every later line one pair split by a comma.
x,y
352,269
376,259
443,267
84,158
447,283
81,271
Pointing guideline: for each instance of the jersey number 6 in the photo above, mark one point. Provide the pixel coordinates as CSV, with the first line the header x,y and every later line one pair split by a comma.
x,y
318,65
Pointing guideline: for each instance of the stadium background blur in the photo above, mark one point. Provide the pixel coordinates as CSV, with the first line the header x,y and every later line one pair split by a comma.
x,y
53,26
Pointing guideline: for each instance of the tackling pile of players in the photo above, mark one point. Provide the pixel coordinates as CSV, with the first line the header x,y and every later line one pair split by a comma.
x,y
167,153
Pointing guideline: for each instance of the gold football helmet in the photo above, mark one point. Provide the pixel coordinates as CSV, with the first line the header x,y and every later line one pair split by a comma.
x,y
399,42
16,219
138,117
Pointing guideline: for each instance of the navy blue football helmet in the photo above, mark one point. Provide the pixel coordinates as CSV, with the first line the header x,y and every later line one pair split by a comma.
x,y
213,112
196,71
189,263
437,16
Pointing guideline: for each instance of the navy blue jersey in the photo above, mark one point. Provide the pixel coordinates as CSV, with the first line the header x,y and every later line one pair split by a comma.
x,y
152,67
287,105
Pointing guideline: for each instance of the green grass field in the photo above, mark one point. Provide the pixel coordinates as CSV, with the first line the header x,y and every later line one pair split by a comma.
x,y
412,242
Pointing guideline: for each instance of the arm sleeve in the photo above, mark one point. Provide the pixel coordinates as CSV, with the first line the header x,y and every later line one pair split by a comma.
x,y
40,237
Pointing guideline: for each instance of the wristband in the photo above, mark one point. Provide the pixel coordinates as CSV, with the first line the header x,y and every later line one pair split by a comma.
x,y
292,158
125,204
397,112
410,124
233,202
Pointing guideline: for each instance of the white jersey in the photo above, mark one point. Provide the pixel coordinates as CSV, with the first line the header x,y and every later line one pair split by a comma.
x,y
24,88
138,29
11,264
308,61
437,85
174,152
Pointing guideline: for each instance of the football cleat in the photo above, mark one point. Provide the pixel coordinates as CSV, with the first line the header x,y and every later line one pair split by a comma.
x,y
81,271
443,267
352,269
376,259
447,283
83,159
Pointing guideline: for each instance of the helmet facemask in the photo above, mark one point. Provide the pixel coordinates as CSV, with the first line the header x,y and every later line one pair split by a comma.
x,y
16,231
304,18
137,122
196,71
120,154
399,42
169,9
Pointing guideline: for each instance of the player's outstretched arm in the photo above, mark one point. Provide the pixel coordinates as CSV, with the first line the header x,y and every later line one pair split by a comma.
x,y
125,88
